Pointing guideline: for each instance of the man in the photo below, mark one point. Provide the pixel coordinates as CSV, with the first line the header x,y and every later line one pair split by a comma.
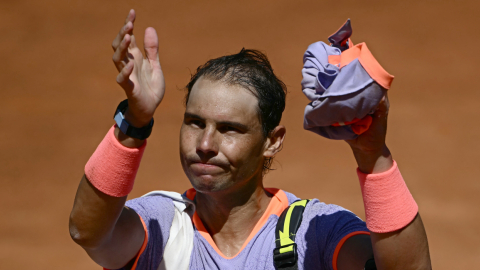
x,y
229,135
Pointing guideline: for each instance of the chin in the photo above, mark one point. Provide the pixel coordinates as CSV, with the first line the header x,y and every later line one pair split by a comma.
x,y
209,183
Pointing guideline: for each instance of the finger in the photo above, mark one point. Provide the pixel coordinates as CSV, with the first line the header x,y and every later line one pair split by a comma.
x,y
150,44
131,16
123,78
127,28
120,55
133,44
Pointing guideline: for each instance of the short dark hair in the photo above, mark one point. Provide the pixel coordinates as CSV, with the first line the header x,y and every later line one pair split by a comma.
x,y
251,70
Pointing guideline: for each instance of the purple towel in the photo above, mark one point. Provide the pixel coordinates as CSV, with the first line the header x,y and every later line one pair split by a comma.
x,y
344,84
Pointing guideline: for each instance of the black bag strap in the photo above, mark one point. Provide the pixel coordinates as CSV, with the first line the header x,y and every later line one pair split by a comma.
x,y
285,254
370,265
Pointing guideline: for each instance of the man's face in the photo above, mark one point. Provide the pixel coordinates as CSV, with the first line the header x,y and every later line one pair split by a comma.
x,y
221,139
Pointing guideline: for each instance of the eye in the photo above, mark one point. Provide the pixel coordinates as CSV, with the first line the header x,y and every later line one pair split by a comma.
x,y
225,129
194,122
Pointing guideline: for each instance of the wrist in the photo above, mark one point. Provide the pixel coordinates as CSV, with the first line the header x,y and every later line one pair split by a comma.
x,y
112,167
137,122
126,140
132,127
374,161
389,205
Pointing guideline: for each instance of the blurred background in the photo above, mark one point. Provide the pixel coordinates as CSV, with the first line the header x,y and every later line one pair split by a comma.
x,y
59,94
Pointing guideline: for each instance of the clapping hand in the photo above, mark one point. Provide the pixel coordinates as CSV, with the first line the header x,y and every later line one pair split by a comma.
x,y
141,77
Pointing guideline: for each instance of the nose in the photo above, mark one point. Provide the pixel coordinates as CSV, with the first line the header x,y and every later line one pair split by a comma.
x,y
207,143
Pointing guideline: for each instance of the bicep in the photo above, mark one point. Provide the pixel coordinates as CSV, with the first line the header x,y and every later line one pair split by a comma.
x,y
355,252
406,248
124,243
403,249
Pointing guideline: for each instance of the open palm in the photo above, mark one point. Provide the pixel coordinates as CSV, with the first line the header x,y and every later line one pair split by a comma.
x,y
141,77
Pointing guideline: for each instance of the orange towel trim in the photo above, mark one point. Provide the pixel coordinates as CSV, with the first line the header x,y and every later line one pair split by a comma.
x,y
359,126
362,125
369,63
334,59
346,123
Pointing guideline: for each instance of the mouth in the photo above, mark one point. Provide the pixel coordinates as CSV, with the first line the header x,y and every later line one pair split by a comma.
x,y
200,168
209,167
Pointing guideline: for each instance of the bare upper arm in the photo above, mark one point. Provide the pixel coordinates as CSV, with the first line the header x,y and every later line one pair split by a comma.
x,y
406,248
124,244
355,252
110,233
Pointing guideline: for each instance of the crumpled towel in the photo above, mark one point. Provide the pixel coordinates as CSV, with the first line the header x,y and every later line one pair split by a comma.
x,y
344,83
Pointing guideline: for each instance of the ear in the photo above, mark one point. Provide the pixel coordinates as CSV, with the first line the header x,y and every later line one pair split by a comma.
x,y
274,142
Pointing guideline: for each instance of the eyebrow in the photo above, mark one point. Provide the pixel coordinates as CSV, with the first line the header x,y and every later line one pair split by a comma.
x,y
227,123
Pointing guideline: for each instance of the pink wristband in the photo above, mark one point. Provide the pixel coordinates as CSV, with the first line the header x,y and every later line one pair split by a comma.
x,y
112,167
389,206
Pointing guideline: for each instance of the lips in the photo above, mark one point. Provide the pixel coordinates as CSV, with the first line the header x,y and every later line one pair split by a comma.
x,y
205,169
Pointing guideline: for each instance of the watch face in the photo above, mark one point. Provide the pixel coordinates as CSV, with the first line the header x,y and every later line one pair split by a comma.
x,y
121,123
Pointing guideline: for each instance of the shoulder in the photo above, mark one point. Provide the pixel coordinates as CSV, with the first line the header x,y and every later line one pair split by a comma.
x,y
156,213
327,224
325,213
316,209
327,220
152,207
324,228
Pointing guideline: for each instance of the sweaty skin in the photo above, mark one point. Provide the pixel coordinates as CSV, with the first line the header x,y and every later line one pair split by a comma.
x,y
222,151
221,140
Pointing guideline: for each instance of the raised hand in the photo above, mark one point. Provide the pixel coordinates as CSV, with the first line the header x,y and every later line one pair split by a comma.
x,y
369,148
374,138
141,77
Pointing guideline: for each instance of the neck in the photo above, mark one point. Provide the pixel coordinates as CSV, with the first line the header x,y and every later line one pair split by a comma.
x,y
223,212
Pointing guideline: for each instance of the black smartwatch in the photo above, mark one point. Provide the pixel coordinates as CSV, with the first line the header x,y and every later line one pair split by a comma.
x,y
127,129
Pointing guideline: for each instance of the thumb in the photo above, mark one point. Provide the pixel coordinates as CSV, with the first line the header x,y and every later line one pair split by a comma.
x,y
383,107
150,44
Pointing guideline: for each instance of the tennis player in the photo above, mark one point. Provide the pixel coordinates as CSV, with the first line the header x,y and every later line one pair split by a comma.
x,y
230,133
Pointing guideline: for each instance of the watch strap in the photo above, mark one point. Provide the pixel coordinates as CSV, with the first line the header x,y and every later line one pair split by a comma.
x,y
126,128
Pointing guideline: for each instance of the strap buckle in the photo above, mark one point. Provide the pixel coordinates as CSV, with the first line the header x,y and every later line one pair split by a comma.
x,y
288,258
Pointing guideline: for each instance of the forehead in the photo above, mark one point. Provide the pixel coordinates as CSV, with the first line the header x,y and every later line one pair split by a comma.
x,y
220,101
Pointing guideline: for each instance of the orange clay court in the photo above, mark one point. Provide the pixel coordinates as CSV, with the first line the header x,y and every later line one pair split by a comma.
x,y
59,92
